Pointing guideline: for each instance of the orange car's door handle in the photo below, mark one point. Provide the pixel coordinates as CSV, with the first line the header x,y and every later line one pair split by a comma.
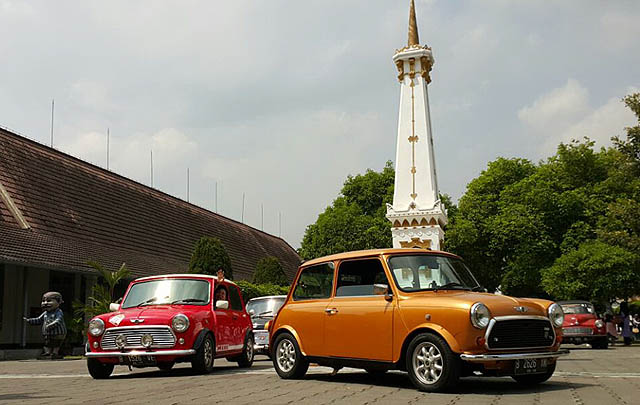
x,y
331,311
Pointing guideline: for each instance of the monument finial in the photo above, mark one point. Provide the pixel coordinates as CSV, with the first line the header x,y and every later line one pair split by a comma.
x,y
413,26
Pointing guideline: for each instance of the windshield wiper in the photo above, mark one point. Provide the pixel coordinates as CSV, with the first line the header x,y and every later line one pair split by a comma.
x,y
262,314
450,286
187,300
478,288
147,302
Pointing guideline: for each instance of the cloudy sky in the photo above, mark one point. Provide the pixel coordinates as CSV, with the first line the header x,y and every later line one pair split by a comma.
x,y
282,99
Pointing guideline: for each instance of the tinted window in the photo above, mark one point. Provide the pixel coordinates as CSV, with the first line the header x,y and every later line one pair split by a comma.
x,y
358,277
234,298
314,282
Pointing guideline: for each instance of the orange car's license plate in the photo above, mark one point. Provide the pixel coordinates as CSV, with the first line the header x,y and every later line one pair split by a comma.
x,y
530,366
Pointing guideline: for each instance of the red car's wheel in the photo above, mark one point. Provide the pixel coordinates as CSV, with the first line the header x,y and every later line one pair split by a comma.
x,y
99,370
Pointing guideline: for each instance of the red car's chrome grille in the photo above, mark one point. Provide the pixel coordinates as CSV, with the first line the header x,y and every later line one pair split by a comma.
x,y
577,331
163,337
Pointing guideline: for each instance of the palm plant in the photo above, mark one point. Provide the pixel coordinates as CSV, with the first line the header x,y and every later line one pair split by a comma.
x,y
102,292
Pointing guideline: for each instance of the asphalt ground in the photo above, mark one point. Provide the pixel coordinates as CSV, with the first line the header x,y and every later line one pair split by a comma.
x,y
586,376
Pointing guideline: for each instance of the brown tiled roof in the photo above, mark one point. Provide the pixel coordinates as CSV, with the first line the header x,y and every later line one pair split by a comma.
x,y
80,212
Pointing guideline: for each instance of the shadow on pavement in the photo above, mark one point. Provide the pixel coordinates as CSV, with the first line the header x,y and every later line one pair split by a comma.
x,y
18,397
471,385
152,372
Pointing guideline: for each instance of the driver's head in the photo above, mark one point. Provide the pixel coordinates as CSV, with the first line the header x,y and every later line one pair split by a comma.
x,y
221,293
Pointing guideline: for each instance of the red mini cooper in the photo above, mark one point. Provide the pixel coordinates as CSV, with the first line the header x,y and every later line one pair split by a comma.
x,y
172,318
582,325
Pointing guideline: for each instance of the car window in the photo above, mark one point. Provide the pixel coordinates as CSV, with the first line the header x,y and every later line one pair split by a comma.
x,y
235,302
578,308
361,277
221,294
315,282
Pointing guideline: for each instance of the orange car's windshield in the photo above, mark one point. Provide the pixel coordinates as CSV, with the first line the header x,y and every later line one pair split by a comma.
x,y
431,272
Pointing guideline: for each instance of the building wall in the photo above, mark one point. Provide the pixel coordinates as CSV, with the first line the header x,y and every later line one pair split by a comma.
x,y
12,305
21,296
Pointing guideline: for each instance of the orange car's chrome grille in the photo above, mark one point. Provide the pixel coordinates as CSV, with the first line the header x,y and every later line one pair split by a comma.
x,y
163,337
522,333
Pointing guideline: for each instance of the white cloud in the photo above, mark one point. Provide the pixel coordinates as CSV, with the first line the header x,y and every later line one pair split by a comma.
x,y
557,108
564,114
602,123
283,99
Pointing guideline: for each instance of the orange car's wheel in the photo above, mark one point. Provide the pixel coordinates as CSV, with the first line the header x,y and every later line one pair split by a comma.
x,y
431,364
287,357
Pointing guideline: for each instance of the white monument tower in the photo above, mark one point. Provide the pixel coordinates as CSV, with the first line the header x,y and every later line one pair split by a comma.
x,y
417,214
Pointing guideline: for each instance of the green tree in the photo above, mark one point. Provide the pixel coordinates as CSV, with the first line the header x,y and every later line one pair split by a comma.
x,y
473,227
269,270
356,219
630,147
518,218
595,271
251,290
209,255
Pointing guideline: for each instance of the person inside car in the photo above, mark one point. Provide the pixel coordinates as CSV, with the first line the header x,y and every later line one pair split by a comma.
x,y
221,293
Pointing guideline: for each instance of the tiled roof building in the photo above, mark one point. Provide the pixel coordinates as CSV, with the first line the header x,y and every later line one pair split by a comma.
x,y
58,212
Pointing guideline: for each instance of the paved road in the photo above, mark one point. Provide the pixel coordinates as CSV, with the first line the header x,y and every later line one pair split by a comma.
x,y
584,377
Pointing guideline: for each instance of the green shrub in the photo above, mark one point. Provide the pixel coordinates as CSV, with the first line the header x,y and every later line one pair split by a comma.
x,y
251,290
269,271
209,255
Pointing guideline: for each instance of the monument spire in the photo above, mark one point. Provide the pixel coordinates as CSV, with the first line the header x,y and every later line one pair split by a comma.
x,y
413,26
417,214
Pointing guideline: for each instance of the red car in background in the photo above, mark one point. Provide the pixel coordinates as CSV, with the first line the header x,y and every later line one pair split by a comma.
x,y
172,318
582,325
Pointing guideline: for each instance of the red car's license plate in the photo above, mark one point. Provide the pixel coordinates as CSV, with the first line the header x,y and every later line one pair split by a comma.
x,y
530,366
139,360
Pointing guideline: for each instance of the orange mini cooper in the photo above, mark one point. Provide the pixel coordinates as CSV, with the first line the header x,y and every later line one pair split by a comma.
x,y
415,310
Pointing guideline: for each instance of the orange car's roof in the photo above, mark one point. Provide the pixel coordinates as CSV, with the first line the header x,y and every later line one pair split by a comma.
x,y
374,252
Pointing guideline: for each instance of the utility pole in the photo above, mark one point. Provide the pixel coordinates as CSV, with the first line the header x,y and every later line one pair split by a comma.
x,y
242,216
107,148
52,108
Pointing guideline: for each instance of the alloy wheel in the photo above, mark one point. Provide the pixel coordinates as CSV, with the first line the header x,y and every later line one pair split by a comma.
x,y
427,363
286,355
208,352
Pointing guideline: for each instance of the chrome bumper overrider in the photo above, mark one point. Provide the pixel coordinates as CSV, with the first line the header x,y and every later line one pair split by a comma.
x,y
512,356
142,353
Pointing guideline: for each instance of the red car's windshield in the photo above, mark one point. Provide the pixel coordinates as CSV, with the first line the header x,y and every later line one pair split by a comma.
x,y
578,309
168,291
